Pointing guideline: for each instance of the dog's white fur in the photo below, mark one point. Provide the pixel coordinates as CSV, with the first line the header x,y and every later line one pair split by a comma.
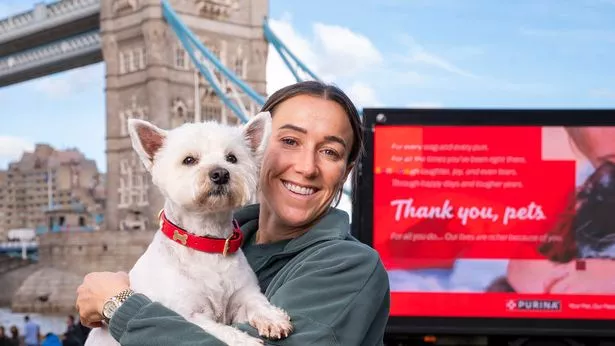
x,y
207,289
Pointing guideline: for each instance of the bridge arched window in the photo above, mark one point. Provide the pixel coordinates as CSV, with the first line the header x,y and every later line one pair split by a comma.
x,y
211,111
123,191
134,184
181,58
143,57
135,111
239,63
138,59
126,62
180,113
121,65
133,59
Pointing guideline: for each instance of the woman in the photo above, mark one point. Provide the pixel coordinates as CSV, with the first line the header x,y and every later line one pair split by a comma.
x,y
335,288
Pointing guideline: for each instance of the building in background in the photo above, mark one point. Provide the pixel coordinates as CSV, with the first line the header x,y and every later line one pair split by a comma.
x,y
49,189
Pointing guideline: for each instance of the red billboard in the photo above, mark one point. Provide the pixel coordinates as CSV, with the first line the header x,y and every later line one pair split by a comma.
x,y
496,221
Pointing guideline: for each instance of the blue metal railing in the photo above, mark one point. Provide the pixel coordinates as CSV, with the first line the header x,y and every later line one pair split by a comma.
x,y
190,42
281,48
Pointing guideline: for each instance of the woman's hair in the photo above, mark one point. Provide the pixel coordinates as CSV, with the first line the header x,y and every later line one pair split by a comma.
x,y
327,92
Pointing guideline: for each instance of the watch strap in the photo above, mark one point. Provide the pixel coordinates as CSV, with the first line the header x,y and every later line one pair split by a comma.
x,y
118,299
122,296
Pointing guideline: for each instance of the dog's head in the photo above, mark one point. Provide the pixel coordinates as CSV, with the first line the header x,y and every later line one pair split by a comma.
x,y
203,167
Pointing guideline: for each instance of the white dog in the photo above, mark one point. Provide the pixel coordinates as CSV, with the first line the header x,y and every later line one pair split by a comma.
x,y
205,171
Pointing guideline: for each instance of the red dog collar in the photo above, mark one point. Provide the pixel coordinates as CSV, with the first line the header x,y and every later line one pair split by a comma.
x,y
204,244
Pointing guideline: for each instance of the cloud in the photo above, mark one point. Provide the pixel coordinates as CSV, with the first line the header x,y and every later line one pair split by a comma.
x,y
363,95
344,53
465,52
11,149
351,60
71,82
418,66
278,75
418,55
334,53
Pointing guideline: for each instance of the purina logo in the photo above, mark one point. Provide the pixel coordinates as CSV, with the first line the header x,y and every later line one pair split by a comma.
x,y
533,305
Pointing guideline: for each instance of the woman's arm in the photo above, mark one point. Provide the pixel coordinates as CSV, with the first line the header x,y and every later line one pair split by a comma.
x,y
331,299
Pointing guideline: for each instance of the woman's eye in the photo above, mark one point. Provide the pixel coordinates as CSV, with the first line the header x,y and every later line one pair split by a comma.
x,y
289,141
231,158
331,153
189,161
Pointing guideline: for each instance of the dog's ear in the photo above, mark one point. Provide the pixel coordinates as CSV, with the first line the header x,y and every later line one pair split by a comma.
x,y
147,139
257,131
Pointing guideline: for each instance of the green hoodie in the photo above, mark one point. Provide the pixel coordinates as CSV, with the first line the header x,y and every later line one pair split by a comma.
x,y
335,289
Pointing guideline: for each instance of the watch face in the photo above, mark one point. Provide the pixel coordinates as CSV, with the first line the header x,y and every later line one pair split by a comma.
x,y
109,308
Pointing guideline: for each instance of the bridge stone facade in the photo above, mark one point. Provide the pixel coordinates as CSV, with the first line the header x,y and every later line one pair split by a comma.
x,y
150,76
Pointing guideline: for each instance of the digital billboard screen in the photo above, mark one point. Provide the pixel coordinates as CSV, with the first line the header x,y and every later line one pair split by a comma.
x,y
509,219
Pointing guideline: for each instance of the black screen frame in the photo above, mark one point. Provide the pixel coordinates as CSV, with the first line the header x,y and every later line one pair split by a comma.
x,y
362,216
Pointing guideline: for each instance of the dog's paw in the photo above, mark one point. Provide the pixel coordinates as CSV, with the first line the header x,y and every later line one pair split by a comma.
x,y
272,323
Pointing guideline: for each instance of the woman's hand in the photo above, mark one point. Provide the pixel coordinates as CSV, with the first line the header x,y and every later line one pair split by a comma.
x,y
94,291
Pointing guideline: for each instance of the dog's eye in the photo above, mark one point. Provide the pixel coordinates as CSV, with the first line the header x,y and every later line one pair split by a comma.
x,y
189,160
231,158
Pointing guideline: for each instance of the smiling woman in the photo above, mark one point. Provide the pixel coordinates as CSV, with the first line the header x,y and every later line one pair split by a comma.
x,y
316,138
334,288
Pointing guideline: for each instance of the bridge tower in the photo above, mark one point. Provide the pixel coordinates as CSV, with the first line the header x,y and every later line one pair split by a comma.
x,y
150,76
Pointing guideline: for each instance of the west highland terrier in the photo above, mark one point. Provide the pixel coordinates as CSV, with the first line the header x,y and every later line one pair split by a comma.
x,y
194,264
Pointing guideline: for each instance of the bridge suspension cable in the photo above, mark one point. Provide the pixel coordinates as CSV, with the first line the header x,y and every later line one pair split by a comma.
x,y
287,55
203,58
205,62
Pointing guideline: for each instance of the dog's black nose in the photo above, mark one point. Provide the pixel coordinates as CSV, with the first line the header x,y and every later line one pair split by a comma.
x,y
219,176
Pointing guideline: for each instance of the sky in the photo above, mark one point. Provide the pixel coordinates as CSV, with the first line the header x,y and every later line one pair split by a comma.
x,y
384,53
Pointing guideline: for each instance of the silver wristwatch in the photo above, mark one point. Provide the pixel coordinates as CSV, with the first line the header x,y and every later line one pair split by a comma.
x,y
113,303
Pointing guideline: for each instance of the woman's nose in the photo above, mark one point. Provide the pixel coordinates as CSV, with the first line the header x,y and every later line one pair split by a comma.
x,y
306,165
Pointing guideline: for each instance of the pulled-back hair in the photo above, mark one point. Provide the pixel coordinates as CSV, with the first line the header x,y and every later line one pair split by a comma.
x,y
327,92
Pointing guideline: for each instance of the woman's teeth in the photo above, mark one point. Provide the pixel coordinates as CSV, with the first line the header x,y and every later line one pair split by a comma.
x,y
299,189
